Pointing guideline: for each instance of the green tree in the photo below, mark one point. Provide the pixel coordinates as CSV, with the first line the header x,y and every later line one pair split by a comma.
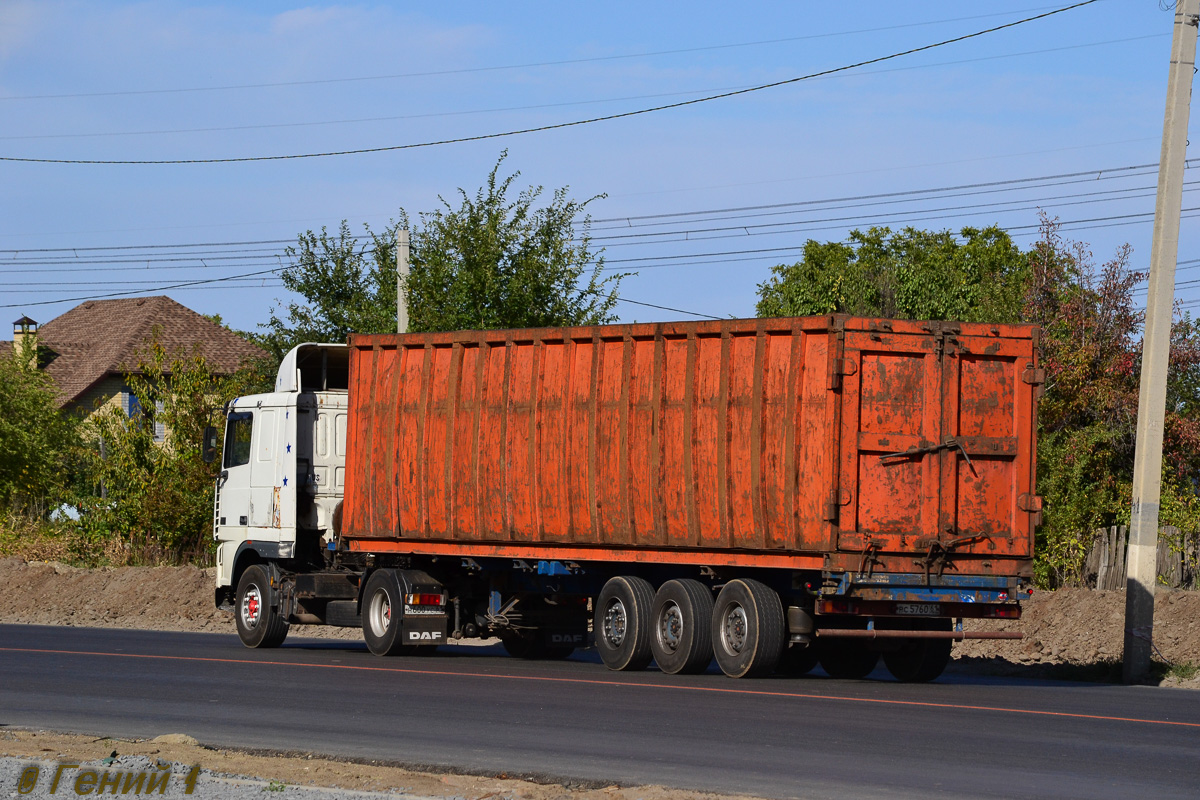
x,y
493,261
1092,351
908,274
36,439
154,494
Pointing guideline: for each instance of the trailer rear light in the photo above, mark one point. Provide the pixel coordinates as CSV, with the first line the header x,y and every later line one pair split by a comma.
x,y
1004,612
425,599
839,607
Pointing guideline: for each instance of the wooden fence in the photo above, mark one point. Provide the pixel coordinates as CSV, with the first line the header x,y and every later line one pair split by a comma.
x,y
1178,554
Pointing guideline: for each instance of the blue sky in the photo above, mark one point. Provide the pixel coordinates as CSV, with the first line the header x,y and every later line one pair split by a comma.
x,y
1078,92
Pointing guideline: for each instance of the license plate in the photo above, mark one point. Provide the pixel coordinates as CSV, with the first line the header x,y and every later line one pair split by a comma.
x,y
919,609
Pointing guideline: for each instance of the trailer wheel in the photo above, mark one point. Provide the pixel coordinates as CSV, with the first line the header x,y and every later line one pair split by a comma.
x,y
846,658
382,613
681,639
748,629
920,660
259,623
621,623
798,660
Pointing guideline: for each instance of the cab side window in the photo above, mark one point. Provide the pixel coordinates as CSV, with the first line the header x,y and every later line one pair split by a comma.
x,y
237,439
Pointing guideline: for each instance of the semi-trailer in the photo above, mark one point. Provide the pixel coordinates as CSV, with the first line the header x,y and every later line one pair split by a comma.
x,y
771,493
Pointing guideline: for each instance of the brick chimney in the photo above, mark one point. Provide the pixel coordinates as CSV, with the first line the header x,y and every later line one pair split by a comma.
x,y
25,340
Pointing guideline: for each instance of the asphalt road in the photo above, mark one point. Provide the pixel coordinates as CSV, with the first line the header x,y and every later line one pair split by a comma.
x,y
478,710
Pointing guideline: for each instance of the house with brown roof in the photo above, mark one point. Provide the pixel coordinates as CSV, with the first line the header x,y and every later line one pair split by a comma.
x,y
88,350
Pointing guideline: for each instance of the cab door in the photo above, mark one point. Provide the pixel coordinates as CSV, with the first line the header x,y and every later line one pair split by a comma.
x,y
233,491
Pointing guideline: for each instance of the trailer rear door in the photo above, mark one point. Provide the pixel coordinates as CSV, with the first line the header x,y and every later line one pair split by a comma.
x,y
936,441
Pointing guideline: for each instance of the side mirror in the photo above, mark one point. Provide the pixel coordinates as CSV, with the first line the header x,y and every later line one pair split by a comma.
x,y
208,450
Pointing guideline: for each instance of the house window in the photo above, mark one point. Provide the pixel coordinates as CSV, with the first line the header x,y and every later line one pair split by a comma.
x,y
135,411
237,439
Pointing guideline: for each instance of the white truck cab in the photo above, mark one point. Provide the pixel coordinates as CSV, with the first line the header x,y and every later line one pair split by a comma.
x,y
282,476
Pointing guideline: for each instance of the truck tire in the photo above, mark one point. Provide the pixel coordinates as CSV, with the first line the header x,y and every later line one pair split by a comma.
x,y
748,629
622,623
798,660
920,660
259,623
681,635
847,659
533,648
382,614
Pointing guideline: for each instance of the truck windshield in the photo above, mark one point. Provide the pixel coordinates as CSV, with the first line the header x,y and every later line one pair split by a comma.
x,y
237,439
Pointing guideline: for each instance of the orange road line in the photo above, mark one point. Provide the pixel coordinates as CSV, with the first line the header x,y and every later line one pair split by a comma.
x,y
594,682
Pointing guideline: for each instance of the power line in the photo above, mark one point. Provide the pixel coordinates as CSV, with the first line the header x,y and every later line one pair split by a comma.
x,y
561,125
805,226
1107,173
473,70
17,255
667,308
960,211
46,257
182,285
536,106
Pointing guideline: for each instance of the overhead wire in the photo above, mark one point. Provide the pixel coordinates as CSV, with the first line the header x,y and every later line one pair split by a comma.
x,y
503,67
149,253
538,106
561,125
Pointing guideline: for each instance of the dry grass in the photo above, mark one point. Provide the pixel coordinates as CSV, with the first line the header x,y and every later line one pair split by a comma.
x,y
36,540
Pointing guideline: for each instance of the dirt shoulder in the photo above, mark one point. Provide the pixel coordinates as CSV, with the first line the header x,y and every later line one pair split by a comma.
x,y
1068,633
305,769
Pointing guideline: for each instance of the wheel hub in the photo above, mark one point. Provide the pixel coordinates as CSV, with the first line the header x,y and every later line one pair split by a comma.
x,y
670,626
615,622
251,607
733,629
380,613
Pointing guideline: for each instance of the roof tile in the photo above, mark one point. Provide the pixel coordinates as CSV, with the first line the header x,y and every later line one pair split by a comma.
x,y
101,337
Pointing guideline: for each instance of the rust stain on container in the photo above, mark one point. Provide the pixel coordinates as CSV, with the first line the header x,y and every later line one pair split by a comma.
x,y
792,437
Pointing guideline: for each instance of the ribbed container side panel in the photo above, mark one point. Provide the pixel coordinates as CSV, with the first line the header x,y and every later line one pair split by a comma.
x,y
755,435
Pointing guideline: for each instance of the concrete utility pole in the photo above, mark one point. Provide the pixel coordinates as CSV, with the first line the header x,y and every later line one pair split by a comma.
x,y
1142,560
402,279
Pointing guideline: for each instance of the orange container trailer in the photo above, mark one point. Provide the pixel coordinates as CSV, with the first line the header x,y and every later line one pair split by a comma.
x,y
771,493
809,443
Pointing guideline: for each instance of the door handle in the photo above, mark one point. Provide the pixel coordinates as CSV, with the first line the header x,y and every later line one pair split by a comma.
x,y
950,444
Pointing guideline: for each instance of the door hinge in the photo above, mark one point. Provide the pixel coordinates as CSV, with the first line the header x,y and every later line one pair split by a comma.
x,y
835,501
841,366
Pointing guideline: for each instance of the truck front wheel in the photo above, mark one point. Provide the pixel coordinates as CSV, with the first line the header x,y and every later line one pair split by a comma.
x,y
259,623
